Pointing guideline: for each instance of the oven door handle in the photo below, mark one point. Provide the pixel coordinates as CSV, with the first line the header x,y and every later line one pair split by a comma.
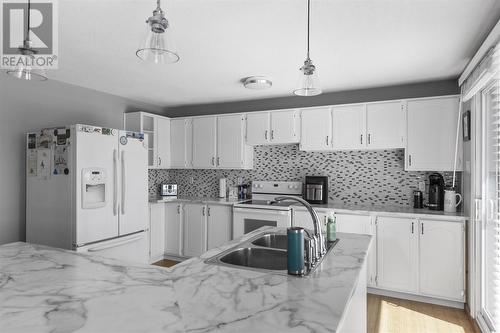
x,y
260,211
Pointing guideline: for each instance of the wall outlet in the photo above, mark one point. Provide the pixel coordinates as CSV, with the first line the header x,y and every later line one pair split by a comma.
x,y
421,186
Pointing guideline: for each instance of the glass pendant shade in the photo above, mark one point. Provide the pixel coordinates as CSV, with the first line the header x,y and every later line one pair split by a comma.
x,y
308,81
24,70
157,46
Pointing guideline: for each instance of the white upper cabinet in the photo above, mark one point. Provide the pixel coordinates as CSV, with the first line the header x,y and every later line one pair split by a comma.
x,y
274,127
162,132
432,126
258,128
232,153
181,143
284,127
385,125
157,130
219,142
204,142
316,129
348,127
442,259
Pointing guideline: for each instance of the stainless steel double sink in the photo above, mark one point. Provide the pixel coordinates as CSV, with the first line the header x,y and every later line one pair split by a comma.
x,y
264,252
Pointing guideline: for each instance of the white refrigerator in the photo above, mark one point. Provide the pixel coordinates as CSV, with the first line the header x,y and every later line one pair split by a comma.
x,y
87,190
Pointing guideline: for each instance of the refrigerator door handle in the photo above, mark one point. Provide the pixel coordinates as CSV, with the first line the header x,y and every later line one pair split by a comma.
x,y
123,183
115,244
115,182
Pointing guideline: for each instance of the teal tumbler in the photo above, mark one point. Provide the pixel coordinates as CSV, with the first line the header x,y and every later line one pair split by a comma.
x,y
295,246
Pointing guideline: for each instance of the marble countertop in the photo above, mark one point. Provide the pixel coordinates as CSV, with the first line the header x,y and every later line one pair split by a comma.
x,y
44,289
389,210
211,200
386,210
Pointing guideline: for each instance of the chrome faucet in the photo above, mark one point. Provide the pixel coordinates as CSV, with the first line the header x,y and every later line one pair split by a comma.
x,y
320,246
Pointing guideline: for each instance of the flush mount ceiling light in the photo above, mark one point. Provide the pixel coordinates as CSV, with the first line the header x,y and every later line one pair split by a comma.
x,y
25,70
157,47
309,85
257,82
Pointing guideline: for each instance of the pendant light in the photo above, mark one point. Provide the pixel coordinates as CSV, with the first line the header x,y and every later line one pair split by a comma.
x,y
24,70
308,81
157,46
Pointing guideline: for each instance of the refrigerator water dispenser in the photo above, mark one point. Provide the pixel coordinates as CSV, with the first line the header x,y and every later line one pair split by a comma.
x,y
93,188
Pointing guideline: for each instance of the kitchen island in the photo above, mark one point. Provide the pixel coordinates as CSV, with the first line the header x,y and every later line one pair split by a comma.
x,y
44,289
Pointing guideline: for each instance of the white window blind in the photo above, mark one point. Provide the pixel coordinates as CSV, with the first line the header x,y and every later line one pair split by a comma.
x,y
491,197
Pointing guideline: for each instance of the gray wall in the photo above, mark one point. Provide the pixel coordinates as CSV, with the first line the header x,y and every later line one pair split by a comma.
x,y
28,105
467,158
425,89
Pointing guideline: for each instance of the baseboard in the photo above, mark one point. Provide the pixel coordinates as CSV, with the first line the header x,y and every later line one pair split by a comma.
x,y
417,298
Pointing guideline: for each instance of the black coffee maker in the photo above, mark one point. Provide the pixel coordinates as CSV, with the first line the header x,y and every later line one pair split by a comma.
x,y
436,192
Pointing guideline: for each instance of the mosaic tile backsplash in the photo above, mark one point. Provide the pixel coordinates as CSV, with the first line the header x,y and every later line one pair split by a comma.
x,y
355,177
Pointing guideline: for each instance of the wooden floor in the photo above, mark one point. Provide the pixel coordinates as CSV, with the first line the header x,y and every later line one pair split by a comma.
x,y
393,315
165,263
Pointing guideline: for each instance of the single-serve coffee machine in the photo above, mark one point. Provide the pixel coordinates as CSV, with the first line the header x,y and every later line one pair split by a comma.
x,y
316,189
436,192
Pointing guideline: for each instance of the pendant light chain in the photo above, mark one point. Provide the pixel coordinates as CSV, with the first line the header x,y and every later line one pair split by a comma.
x,y
27,37
308,24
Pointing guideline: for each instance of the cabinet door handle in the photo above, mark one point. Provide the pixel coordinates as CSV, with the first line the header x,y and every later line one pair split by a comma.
x,y
208,211
265,134
369,139
412,227
203,211
361,138
159,160
409,160
218,161
178,209
327,140
422,224
213,161
272,134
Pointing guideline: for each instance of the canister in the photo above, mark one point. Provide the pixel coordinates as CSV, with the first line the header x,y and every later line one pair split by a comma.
x,y
295,260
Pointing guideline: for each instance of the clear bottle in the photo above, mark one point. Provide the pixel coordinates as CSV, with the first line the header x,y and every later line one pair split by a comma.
x,y
331,228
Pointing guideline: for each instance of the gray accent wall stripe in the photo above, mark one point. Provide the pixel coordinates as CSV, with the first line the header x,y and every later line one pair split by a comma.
x,y
414,90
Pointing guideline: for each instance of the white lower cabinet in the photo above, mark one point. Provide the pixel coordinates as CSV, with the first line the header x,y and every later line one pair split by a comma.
x,y
421,256
156,231
397,246
173,228
442,259
302,218
194,231
361,224
219,225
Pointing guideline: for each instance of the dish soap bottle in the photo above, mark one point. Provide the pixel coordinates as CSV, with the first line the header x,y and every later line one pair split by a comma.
x,y
331,228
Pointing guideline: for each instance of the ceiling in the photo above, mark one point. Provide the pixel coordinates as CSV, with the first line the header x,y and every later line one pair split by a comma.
x,y
354,44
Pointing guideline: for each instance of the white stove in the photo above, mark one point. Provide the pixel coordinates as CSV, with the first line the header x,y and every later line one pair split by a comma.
x,y
262,210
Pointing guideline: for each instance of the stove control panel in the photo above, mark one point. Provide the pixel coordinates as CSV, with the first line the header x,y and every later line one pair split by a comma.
x,y
277,187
